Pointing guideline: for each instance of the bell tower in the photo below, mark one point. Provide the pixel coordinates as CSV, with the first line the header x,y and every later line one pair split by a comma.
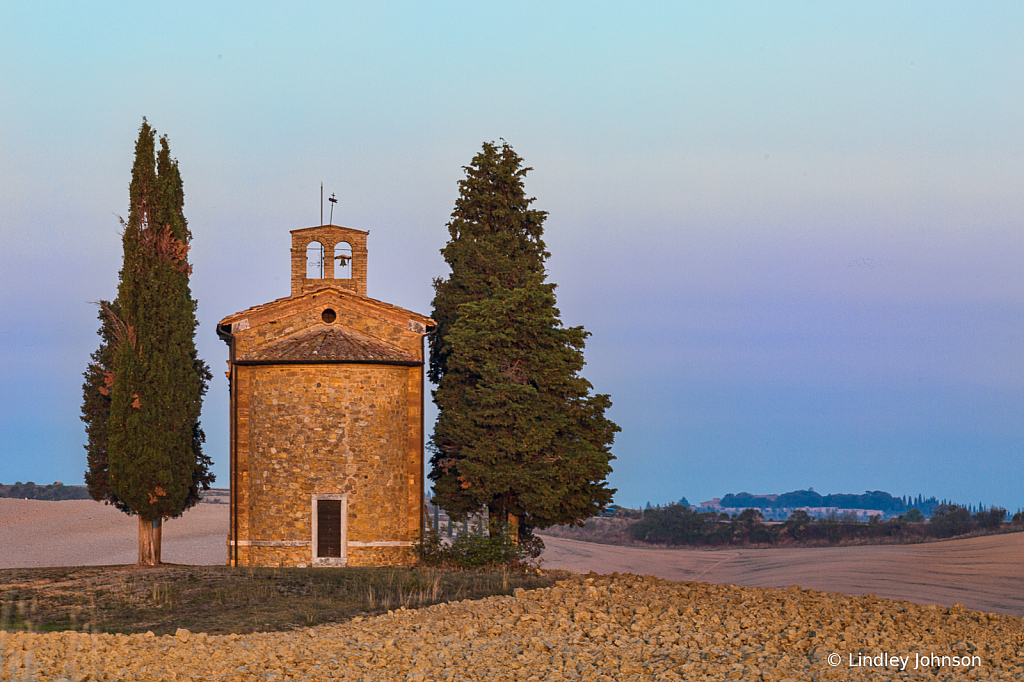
x,y
328,256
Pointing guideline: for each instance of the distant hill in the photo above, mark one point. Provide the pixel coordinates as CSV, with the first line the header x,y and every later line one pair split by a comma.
x,y
53,491
58,491
872,499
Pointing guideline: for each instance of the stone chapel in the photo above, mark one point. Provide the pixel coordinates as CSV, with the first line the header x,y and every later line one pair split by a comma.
x,y
326,416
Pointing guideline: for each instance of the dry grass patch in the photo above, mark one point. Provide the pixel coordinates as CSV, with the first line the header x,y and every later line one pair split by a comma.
x,y
219,599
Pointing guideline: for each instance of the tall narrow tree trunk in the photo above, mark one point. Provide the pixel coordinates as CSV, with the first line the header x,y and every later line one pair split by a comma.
x,y
158,528
144,540
150,533
513,528
503,523
493,522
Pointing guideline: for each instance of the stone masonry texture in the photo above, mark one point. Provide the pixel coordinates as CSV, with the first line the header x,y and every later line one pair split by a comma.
x,y
346,423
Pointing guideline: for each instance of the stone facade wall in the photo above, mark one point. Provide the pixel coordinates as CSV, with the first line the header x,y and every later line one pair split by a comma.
x,y
316,429
292,316
299,556
302,428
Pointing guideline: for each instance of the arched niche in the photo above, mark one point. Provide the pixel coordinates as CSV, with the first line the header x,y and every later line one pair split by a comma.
x,y
314,260
342,260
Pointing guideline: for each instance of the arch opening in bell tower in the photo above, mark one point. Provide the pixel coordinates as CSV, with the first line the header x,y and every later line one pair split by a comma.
x,y
342,260
314,260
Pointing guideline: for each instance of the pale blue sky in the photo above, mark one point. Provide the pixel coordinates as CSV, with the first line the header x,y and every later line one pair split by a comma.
x,y
794,229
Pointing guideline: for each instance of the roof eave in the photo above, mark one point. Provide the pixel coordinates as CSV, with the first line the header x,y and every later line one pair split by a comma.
x,y
400,363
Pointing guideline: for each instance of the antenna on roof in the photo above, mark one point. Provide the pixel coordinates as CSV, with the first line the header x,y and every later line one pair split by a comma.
x,y
321,203
333,202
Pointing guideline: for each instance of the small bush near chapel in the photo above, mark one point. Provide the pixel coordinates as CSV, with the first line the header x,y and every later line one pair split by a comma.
x,y
472,550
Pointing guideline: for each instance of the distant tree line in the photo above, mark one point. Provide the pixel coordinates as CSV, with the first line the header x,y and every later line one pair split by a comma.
x,y
871,499
678,525
52,492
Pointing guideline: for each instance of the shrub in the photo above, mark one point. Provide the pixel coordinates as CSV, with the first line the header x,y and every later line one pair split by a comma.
x,y
797,523
478,550
950,520
990,518
674,525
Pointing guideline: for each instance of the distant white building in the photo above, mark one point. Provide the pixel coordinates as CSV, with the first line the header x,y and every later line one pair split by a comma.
x,y
778,513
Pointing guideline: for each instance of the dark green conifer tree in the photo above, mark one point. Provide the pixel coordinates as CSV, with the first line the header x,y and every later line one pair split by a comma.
x,y
96,409
518,432
147,458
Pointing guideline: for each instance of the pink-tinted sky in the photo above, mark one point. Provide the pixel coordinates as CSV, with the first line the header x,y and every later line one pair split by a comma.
x,y
794,229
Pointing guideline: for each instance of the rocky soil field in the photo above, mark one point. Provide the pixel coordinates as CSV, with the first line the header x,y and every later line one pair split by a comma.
x,y
586,628
983,573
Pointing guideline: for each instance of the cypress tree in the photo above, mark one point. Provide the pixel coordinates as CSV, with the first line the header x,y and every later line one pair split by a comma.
x,y
518,432
146,458
96,409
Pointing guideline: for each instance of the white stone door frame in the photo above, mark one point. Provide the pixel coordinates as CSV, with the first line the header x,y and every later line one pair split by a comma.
x,y
330,561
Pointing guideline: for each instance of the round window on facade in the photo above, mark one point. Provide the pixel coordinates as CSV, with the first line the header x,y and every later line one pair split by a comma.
x,y
328,316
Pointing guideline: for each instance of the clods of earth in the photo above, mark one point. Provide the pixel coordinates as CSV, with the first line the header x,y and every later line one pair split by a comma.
x,y
585,628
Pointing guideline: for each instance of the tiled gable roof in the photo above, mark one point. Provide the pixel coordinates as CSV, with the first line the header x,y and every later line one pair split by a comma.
x,y
328,344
